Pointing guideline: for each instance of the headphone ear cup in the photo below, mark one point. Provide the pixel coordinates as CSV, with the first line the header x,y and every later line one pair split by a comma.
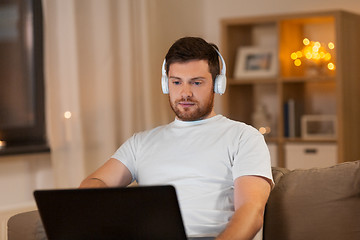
x,y
165,84
220,84
220,80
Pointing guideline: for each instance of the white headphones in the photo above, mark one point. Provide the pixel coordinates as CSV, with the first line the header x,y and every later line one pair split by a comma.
x,y
220,80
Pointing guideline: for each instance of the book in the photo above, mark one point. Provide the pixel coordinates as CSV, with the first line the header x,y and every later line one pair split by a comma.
x,y
292,118
292,112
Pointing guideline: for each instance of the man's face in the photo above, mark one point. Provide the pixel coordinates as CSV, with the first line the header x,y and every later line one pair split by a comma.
x,y
191,93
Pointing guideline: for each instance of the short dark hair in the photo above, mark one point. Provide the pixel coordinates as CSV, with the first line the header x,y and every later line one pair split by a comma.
x,y
194,48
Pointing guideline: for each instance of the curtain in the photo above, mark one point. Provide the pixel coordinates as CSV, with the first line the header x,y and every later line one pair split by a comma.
x,y
99,89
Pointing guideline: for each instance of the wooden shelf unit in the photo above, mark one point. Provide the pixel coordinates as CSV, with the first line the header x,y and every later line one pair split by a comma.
x,y
335,92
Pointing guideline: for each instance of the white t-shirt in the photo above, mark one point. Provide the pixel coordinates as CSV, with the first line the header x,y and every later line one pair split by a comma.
x,y
201,159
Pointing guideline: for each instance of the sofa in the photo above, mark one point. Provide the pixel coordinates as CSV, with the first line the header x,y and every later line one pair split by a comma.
x,y
305,204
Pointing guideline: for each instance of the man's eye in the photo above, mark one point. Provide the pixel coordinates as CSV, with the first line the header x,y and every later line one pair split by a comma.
x,y
176,82
197,83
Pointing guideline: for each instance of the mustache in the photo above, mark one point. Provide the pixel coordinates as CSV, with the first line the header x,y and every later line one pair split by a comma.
x,y
190,99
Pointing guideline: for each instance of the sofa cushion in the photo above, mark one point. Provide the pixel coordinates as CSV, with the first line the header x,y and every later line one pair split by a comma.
x,y
26,226
317,204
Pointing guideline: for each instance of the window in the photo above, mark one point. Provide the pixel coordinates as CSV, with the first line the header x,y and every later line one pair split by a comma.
x,y
22,115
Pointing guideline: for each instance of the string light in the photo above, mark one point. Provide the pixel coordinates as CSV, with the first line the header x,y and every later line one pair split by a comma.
x,y
306,41
331,66
297,62
2,144
294,56
67,115
264,130
315,52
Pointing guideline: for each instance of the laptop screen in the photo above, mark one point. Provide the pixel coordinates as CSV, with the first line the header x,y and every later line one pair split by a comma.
x,y
150,212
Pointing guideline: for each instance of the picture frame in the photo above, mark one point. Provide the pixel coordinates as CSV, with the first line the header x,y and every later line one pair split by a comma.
x,y
256,62
318,127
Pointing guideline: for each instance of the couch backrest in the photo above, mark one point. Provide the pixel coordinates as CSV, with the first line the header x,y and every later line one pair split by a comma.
x,y
316,204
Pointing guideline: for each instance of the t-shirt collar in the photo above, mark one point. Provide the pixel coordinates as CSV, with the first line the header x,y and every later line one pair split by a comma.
x,y
178,122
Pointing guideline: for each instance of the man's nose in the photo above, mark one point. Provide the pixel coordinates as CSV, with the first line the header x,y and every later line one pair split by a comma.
x,y
186,91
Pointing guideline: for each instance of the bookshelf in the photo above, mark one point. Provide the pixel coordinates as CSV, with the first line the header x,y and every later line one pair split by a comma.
x,y
335,93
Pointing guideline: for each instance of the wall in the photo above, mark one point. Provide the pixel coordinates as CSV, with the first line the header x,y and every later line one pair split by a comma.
x,y
20,175
217,10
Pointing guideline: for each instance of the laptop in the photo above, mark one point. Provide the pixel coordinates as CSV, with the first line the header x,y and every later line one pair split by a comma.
x,y
148,212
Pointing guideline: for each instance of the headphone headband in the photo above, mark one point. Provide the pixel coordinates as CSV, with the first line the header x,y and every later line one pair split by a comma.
x,y
223,69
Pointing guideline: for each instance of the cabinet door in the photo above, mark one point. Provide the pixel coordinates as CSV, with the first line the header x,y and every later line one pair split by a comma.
x,y
305,155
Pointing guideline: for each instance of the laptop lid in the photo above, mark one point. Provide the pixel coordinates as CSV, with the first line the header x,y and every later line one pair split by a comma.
x,y
150,212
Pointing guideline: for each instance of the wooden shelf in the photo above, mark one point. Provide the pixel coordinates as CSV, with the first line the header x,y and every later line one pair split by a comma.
x,y
298,140
333,93
301,140
309,79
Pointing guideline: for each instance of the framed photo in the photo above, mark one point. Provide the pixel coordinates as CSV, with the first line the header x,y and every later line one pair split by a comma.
x,y
318,127
256,62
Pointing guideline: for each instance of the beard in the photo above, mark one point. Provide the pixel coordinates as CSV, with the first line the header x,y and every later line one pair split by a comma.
x,y
194,112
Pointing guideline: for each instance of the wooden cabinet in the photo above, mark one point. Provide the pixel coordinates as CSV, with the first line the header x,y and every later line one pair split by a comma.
x,y
315,91
307,155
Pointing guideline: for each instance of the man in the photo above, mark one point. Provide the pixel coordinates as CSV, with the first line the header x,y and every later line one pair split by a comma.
x,y
219,167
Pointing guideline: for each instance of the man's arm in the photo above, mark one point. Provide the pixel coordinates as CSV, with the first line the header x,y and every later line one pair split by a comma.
x,y
250,196
112,174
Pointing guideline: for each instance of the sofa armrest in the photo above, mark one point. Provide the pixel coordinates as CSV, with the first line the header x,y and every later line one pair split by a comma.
x,y
317,203
26,226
